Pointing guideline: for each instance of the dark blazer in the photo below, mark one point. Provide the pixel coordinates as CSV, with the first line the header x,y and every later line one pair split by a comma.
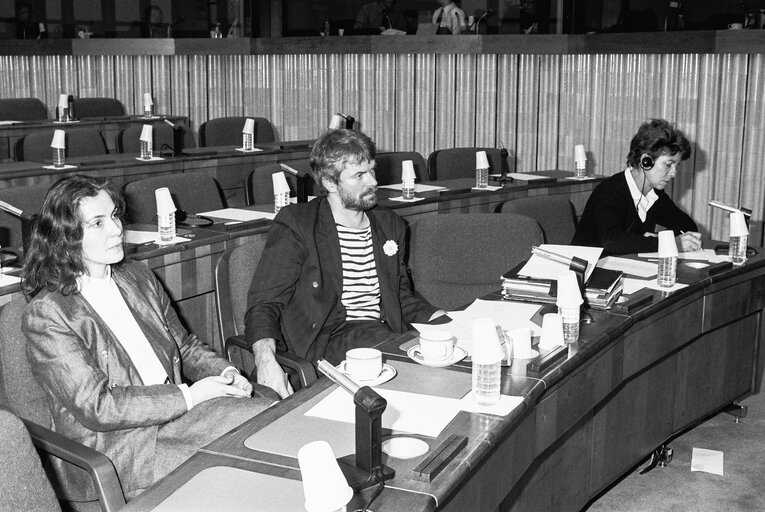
x,y
611,221
296,290
95,394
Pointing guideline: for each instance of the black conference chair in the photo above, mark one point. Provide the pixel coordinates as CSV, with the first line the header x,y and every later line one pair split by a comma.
x,y
554,214
29,199
233,275
98,108
22,109
388,167
259,186
23,483
455,258
192,193
129,139
227,131
35,147
447,164
83,476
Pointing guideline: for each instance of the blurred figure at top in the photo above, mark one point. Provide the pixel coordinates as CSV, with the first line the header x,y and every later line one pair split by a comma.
x,y
449,18
26,28
382,14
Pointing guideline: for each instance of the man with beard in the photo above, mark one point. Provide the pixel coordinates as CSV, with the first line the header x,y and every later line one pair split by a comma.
x,y
332,276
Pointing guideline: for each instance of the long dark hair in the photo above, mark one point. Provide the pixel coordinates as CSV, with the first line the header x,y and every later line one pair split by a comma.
x,y
54,258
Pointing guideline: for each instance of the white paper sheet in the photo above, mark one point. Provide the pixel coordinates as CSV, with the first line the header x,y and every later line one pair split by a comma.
x,y
401,199
488,188
509,315
238,214
709,461
64,168
152,159
504,407
142,237
543,268
628,266
526,177
253,150
406,412
5,279
701,255
418,187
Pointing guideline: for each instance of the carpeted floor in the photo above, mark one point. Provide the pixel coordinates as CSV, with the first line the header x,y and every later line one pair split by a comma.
x,y
677,489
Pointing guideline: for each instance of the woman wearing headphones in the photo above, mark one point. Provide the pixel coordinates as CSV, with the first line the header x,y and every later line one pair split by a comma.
x,y
624,210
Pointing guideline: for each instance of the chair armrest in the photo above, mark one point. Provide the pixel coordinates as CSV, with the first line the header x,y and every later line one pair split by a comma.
x,y
101,470
305,370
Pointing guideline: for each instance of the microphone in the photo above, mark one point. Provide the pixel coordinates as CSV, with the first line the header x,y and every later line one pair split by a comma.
x,y
16,212
488,13
349,120
300,189
717,204
177,138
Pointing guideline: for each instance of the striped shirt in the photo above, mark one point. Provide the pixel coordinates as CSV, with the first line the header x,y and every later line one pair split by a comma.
x,y
361,287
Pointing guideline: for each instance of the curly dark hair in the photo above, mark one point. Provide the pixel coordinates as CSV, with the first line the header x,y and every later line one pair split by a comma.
x,y
657,137
54,258
334,149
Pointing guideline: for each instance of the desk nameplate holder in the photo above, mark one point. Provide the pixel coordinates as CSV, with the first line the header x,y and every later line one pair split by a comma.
x,y
363,469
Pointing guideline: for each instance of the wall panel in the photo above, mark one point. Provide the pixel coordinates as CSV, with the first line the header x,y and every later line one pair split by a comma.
x,y
538,106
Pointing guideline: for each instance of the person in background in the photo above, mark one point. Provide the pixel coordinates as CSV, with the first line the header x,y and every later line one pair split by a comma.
x,y
332,276
449,18
26,28
107,347
382,14
623,211
153,27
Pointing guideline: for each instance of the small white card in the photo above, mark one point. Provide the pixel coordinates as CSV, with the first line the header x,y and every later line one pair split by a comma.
x,y
401,198
505,406
708,461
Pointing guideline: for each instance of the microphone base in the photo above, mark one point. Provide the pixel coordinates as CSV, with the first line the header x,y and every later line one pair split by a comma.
x,y
359,479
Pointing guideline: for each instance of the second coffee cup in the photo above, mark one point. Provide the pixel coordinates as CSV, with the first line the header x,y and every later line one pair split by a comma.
x,y
436,345
363,363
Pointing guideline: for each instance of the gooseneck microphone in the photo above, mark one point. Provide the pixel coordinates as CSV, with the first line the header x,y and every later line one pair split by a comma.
x,y
488,13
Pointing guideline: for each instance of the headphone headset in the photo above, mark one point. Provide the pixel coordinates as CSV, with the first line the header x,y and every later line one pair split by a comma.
x,y
646,163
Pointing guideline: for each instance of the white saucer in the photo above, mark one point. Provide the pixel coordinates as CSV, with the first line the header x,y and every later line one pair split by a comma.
x,y
387,374
458,355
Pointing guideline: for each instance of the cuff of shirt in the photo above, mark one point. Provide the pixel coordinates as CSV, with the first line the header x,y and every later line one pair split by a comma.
x,y
186,395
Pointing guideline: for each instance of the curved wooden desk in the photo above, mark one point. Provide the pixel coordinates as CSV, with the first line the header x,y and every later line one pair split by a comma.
x,y
630,383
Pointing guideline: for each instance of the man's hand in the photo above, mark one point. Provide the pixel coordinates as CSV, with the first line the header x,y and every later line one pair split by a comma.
x,y
239,381
268,370
213,387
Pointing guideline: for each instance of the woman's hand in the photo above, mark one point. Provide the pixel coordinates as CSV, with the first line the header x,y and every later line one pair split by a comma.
x,y
688,241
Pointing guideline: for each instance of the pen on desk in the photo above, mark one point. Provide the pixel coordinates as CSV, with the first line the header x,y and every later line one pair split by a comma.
x,y
550,255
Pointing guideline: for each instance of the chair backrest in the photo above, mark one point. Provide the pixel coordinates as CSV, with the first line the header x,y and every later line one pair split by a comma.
x,y
23,483
447,164
388,168
455,258
35,147
18,388
227,131
192,192
29,199
233,276
554,214
98,107
128,140
22,109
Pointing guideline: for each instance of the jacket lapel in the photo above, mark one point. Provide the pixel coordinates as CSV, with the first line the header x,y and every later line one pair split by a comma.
x,y
145,313
328,249
386,266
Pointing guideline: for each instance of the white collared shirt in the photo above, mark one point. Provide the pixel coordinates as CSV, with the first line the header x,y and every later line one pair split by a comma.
x,y
453,18
642,202
104,296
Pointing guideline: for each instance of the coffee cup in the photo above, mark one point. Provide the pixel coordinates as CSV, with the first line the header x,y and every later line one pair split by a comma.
x,y
363,363
735,26
436,345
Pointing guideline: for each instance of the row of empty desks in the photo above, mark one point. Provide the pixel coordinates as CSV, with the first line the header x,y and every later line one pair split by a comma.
x,y
11,132
632,381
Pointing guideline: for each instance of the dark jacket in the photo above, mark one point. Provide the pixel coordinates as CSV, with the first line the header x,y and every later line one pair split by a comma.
x,y
296,290
610,219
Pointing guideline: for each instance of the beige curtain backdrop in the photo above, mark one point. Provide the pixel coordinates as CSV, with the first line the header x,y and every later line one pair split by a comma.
x,y
538,106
